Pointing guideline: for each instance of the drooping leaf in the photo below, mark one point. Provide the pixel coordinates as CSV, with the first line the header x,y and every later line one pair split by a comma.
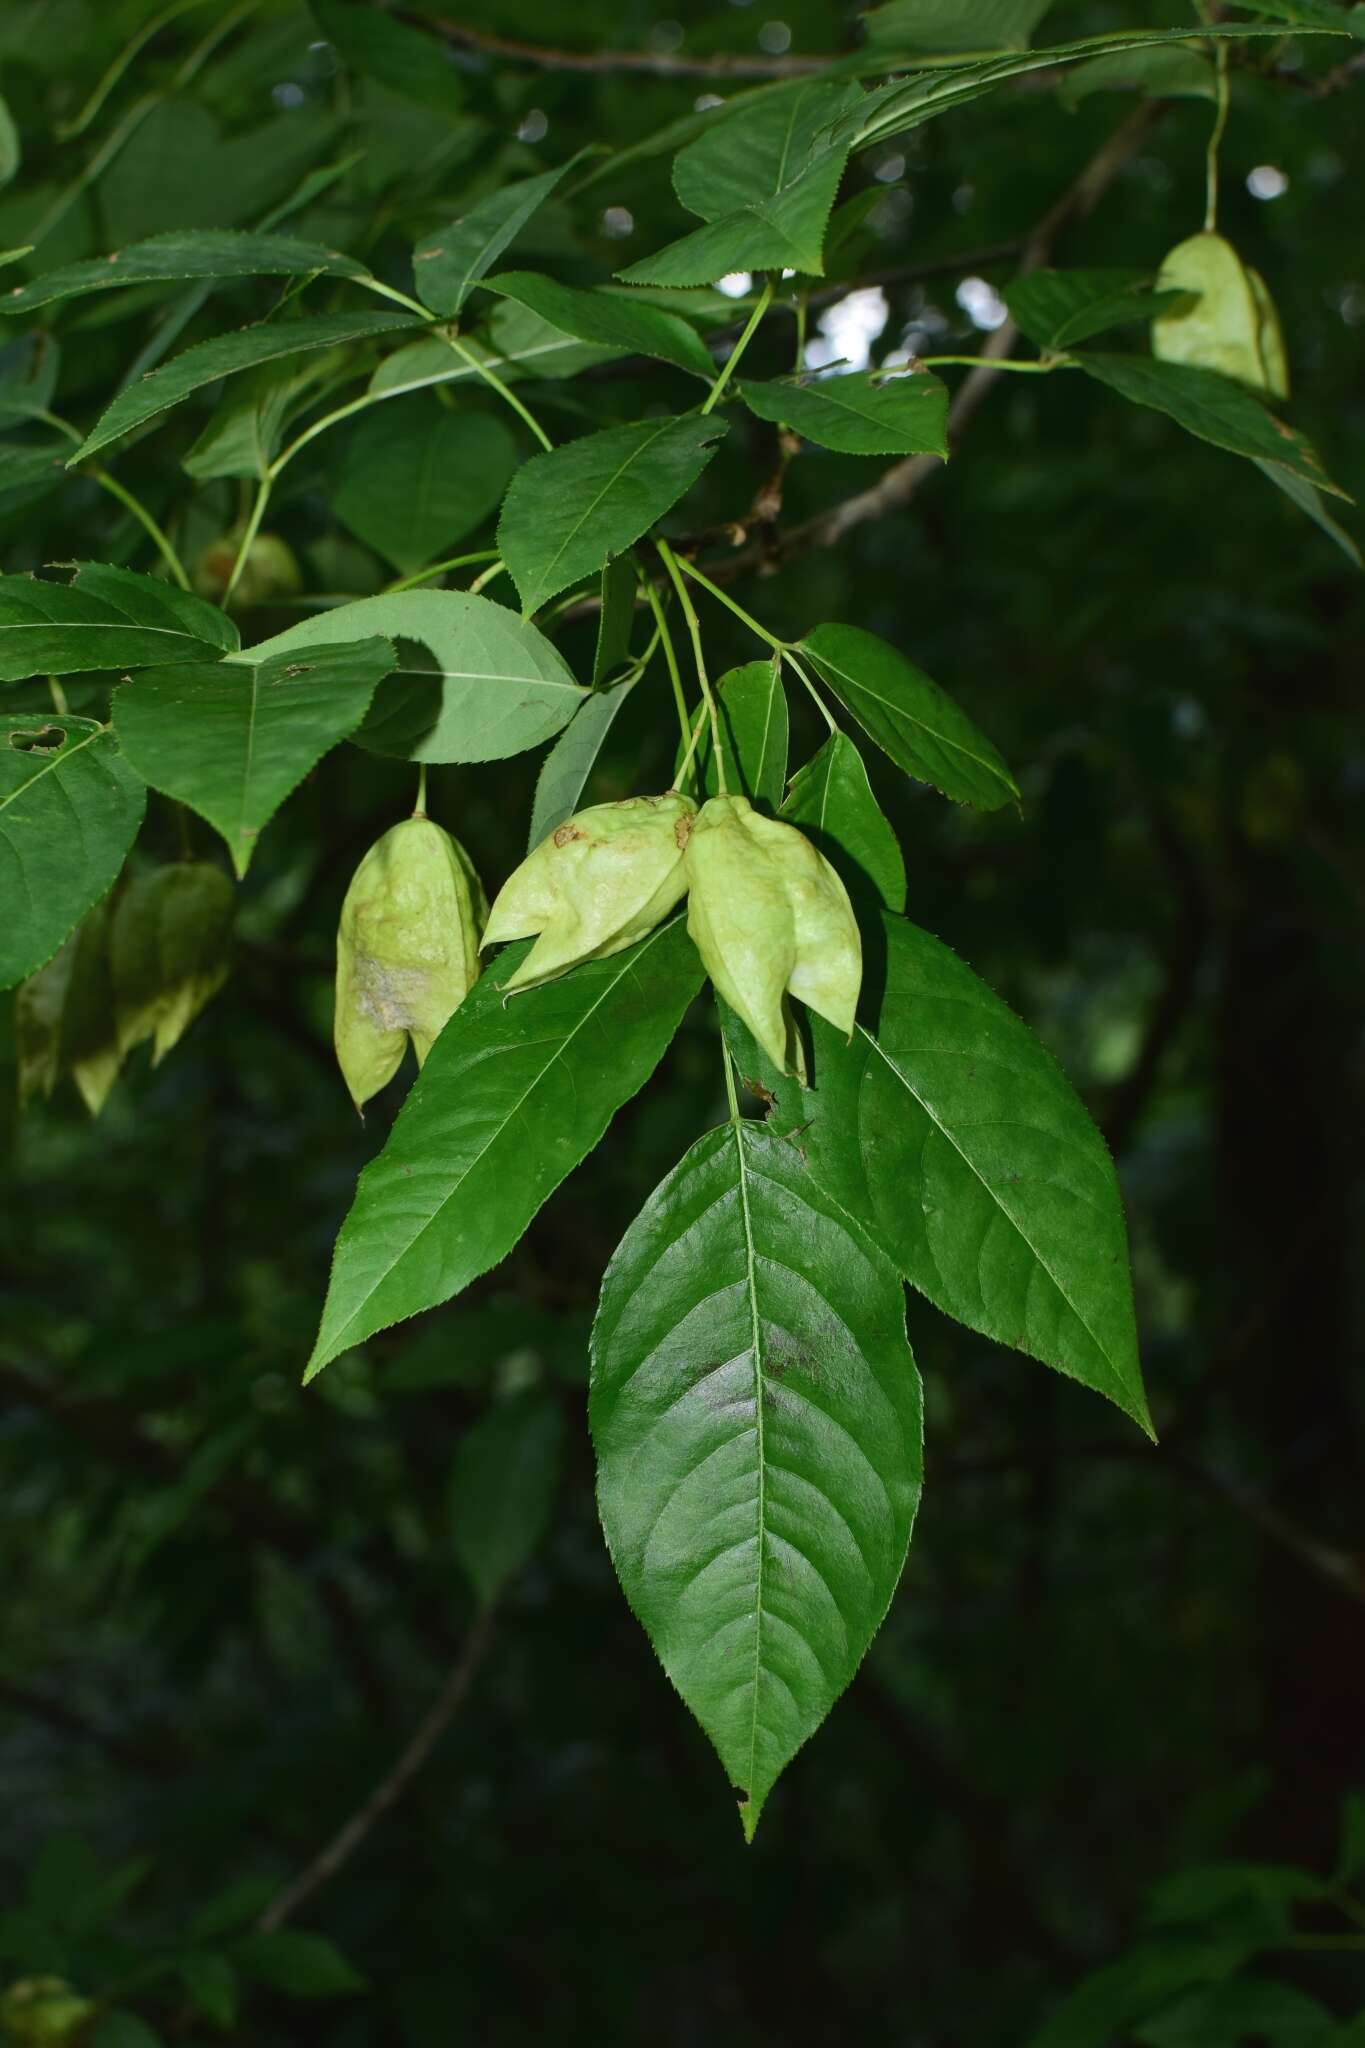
x,y
416,65
502,1488
1214,408
942,27
569,511
954,1137
104,618
570,760
482,684
64,1018
1309,501
756,1414
184,253
1058,308
513,1095
831,800
909,717
449,263
417,476
70,806
610,319
233,739
168,951
861,414
618,597
161,389
751,707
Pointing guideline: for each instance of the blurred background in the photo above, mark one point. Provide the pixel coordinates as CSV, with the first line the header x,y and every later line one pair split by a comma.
x,y
225,1602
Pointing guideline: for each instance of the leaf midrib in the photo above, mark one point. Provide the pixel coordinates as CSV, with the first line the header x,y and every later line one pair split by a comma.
x,y
635,455
48,767
944,739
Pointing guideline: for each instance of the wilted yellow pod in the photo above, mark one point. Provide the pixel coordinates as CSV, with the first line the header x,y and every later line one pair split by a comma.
x,y
770,917
407,951
1231,326
596,885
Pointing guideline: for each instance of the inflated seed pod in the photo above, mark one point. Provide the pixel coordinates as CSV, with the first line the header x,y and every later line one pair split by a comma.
x,y
407,951
596,885
770,917
1228,323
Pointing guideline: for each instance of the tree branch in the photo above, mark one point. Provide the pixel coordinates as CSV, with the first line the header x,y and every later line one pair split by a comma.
x,y
652,63
344,1843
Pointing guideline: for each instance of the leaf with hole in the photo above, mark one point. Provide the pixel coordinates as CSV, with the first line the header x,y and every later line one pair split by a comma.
x,y
569,511
70,806
480,684
233,740
756,1414
954,1137
860,414
910,717
104,618
513,1095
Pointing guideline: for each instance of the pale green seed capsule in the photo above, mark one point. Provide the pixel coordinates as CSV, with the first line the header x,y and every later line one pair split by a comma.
x,y
1230,326
603,880
770,917
407,951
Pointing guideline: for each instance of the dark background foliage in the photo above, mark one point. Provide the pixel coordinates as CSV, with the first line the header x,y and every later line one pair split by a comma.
x,y
226,1601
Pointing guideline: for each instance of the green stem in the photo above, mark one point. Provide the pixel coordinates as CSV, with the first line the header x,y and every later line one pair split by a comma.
x,y
439,569
1220,122
735,1118
480,369
670,562
495,568
685,765
797,670
59,702
670,660
67,131
253,527
691,569
1039,369
420,808
144,519
765,299
801,306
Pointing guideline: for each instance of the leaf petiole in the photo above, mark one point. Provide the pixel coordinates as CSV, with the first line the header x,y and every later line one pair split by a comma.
x,y
691,569
765,299
670,562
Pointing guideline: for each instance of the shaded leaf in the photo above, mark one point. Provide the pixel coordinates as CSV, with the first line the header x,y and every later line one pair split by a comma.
x,y
1179,71
168,951
756,1414
950,1132
516,343
513,1095
940,27
756,152
609,319
1058,308
909,717
184,253
104,618
243,433
211,1983
64,1018
11,151
1212,407
54,771
369,41
1309,501
448,264
831,800
300,1965
233,740
619,594
752,710
502,1488
860,414
490,684
418,476
569,511
570,761
161,389
28,376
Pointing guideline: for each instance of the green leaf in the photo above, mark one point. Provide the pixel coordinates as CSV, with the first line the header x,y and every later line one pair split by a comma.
x,y
11,151
953,1136
70,806
123,2029
756,1414
416,65
28,376
502,1488
1105,2006
942,27
64,1019
1214,408
161,389
1057,308
234,739
1246,2009
516,343
570,761
831,800
757,152
168,951
619,597
30,471
609,319
449,264
299,1965
513,1095
860,414
104,618
418,476
184,253
1180,71
1309,501
482,685
752,712
211,1983
243,433
910,718
567,512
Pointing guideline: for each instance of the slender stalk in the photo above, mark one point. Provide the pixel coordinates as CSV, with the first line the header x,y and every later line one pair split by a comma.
x,y
253,527
420,807
802,303
495,568
670,660
797,670
1220,122
439,569
685,765
765,299
735,1118
144,519
670,562
480,369
1038,369
691,569
59,702
67,131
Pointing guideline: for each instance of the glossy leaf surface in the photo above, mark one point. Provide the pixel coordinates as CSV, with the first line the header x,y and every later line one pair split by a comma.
x,y
859,414
831,800
104,618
